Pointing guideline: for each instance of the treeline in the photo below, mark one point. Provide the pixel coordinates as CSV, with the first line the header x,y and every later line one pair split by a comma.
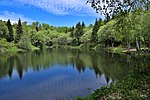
x,y
128,30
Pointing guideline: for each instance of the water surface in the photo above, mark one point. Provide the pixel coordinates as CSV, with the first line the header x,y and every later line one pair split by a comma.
x,y
58,74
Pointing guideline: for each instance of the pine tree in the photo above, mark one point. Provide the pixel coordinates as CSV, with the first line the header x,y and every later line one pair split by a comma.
x,y
10,29
95,30
79,31
19,32
83,25
72,31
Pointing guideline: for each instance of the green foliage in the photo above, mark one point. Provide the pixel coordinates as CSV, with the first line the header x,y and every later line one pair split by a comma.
x,y
85,38
95,30
25,42
146,29
78,33
71,30
51,28
108,32
38,39
45,26
126,29
35,26
90,26
19,32
83,25
62,29
3,30
10,29
5,44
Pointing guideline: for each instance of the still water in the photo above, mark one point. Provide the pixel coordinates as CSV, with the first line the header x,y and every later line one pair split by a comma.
x,y
58,74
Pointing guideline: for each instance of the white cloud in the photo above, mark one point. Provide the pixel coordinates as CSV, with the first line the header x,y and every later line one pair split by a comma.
x,y
63,7
5,15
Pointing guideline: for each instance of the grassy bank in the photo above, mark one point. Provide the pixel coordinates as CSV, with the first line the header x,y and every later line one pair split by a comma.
x,y
136,86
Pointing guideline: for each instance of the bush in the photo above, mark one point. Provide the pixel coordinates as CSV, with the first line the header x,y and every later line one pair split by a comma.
x,y
25,42
5,44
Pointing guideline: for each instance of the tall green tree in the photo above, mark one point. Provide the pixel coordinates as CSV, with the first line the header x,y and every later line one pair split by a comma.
x,y
83,25
19,32
10,29
3,30
96,27
79,31
72,31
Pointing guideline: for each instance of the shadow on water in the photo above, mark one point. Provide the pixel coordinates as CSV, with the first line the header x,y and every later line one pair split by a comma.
x,y
102,67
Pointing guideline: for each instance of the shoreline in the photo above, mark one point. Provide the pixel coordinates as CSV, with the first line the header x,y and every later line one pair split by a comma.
x,y
119,50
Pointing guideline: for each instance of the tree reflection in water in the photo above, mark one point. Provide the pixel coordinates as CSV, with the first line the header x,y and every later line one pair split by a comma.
x,y
53,73
111,65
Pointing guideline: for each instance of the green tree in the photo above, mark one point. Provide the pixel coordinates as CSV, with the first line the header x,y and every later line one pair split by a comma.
x,y
35,25
51,28
78,32
38,39
45,26
25,42
146,29
90,26
62,29
3,30
19,32
40,27
83,25
72,31
10,29
95,30
108,34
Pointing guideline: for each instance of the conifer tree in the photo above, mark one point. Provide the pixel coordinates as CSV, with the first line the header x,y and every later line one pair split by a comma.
x,y
72,31
79,31
10,29
95,30
19,32
83,25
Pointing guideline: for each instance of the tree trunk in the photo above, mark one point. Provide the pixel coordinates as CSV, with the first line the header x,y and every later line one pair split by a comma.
x,y
129,46
137,44
112,43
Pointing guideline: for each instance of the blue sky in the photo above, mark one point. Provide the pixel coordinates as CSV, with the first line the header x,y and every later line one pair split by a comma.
x,y
53,12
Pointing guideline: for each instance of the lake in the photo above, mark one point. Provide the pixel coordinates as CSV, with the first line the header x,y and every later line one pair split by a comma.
x,y
59,73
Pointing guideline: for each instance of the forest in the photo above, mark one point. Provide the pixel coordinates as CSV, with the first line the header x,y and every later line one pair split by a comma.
x,y
124,32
